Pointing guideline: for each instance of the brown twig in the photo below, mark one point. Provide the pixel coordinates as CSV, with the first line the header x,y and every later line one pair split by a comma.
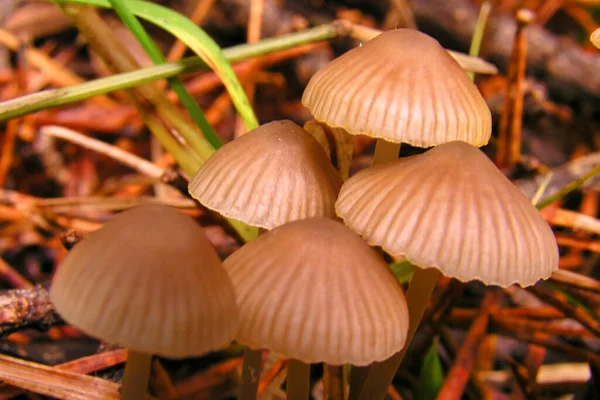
x,y
533,362
563,304
211,383
508,150
522,380
270,374
459,373
573,352
11,275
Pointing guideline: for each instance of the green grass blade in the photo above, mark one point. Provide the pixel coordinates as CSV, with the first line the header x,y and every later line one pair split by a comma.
x,y
403,270
432,375
484,13
57,97
196,39
576,184
157,57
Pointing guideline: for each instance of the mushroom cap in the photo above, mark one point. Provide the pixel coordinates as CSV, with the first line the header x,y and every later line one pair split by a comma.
x,y
149,280
452,209
403,87
313,290
272,175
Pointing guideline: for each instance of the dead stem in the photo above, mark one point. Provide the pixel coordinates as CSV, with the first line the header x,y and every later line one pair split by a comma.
x,y
131,160
508,149
9,274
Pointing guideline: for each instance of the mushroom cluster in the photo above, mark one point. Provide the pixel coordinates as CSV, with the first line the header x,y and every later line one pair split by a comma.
x,y
310,287
298,283
449,210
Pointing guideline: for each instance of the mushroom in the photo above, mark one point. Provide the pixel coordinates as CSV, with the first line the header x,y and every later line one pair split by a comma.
x,y
313,291
148,280
272,175
450,211
399,87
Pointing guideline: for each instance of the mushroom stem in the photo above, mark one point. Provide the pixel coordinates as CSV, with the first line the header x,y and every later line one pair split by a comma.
x,y
419,291
358,377
385,151
298,380
137,373
250,374
344,149
334,382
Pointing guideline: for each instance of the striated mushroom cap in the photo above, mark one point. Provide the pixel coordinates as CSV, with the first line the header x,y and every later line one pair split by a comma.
x,y
313,290
149,280
272,175
403,87
451,209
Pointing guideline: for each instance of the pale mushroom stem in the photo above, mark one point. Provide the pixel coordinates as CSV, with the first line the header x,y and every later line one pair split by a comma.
x,y
344,150
385,151
358,377
298,380
136,376
250,374
382,374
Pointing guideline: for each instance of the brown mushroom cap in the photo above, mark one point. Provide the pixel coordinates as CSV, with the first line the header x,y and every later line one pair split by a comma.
x,y
403,87
313,290
272,175
149,280
452,209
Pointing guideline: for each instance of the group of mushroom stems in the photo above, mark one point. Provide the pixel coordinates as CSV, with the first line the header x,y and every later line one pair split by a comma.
x,y
313,287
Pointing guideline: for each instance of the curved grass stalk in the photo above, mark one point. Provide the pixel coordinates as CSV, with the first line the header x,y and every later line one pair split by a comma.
x,y
196,39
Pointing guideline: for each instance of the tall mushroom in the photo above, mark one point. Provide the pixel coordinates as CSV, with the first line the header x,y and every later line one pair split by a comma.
x,y
449,211
313,291
399,87
149,280
275,174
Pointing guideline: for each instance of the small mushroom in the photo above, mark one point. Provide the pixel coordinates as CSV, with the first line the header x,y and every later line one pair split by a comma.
x,y
148,280
449,210
400,87
314,291
272,175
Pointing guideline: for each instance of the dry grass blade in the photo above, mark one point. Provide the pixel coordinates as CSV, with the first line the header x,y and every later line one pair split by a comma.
x,y
54,382
124,157
85,365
